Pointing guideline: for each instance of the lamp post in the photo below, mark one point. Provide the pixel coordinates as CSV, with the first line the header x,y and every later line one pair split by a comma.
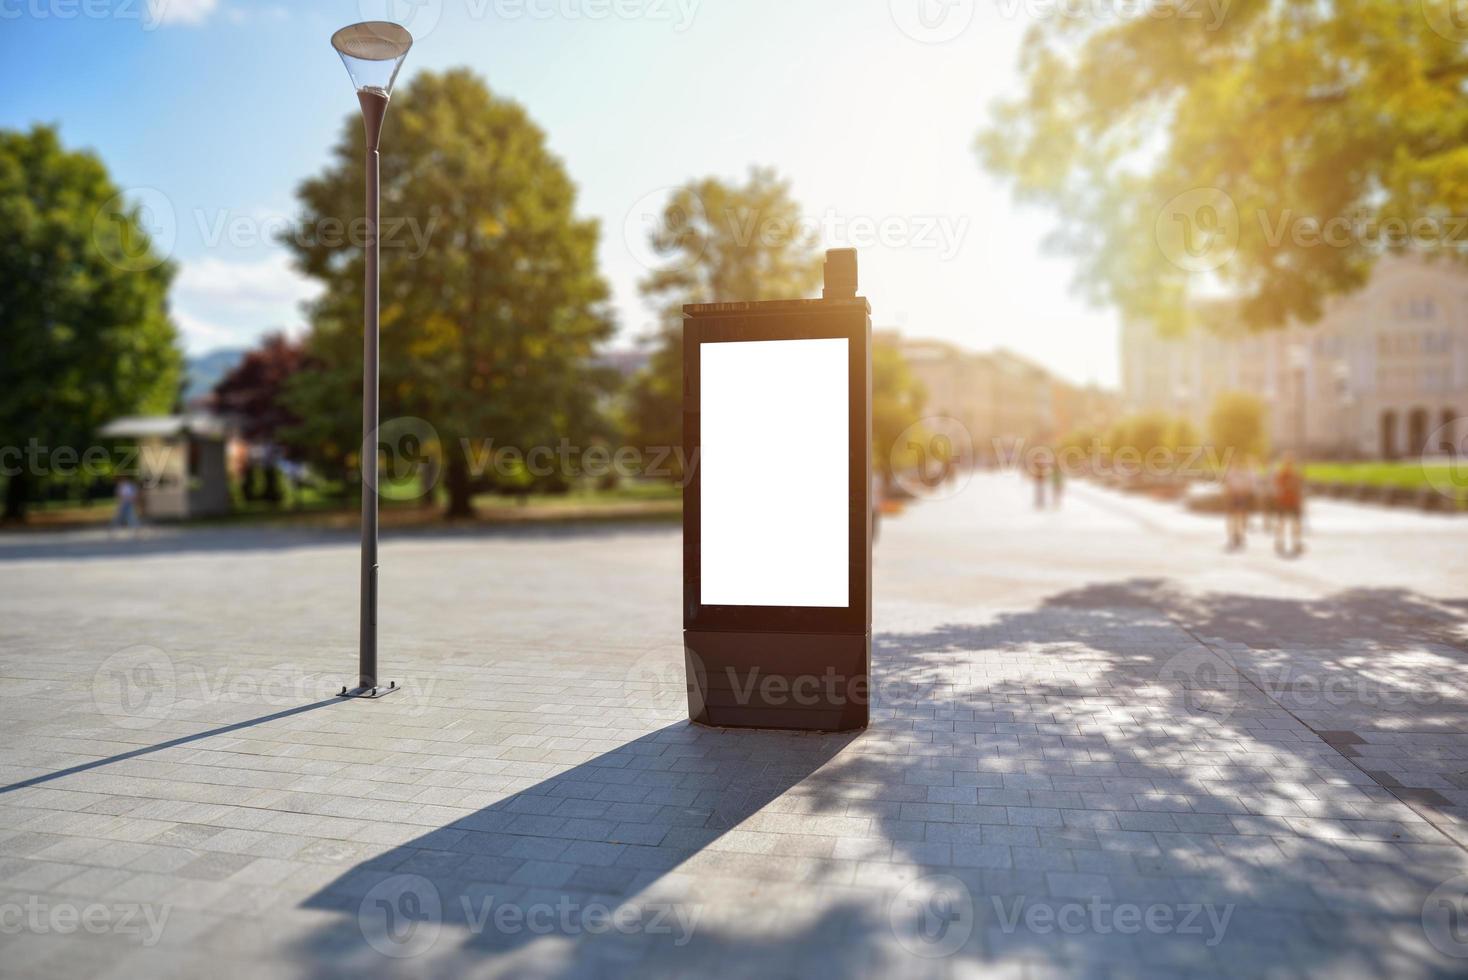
x,y
373,52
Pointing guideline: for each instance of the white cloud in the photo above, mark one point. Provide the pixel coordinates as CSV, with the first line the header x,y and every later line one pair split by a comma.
x,y
162,12
218,303
266,283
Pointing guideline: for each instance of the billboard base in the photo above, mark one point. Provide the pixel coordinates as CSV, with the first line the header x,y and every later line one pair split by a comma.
x,y
822,683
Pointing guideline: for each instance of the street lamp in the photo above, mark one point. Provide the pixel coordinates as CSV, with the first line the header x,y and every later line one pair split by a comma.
x,y
373,52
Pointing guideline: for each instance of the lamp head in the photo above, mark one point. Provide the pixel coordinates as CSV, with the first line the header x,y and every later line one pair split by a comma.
x,y
373,51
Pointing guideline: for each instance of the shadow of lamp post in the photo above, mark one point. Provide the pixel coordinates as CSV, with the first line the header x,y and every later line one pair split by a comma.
x,y
373,52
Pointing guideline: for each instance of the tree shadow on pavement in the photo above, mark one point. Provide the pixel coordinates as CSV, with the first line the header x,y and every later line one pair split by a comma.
x,y
1087,787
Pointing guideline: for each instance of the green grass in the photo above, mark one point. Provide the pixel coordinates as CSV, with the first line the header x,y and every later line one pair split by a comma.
x,y
1412,475
628,492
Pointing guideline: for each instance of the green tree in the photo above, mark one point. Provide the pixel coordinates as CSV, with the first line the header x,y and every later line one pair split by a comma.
x,y
1239,424
897,403
722,243
1147,433
1216,150
492,303
83,300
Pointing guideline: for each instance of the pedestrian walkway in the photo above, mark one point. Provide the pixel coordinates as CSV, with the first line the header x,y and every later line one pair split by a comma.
x,y
1100,747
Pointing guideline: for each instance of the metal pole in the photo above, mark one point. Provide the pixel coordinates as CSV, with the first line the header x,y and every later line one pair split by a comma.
x,y
368,639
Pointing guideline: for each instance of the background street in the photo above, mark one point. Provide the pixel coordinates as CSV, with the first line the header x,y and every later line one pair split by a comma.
x,y
1100,746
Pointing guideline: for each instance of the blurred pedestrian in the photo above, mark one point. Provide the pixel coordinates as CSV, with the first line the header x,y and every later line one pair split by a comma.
x,y
127,504
1289,504
1038,473
1057,484
1238,495
1264,496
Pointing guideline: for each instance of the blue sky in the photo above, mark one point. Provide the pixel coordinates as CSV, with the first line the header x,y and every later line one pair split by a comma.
x,y
869,108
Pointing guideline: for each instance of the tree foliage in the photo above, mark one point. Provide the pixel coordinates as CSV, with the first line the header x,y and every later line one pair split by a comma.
x,y
252,393
722,242
897,404
489,332
83,300
1239,424
1273,148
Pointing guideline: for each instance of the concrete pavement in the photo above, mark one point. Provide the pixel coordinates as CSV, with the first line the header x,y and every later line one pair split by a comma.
x,y
1100,746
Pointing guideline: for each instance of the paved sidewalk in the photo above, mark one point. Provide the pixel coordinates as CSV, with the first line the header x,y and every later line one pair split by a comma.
x,y
1100,747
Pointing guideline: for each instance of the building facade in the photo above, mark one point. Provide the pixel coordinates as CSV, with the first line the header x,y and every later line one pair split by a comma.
x,y
1383,374
1002,399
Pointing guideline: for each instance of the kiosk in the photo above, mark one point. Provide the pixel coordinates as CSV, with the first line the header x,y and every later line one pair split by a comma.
x,y
777,532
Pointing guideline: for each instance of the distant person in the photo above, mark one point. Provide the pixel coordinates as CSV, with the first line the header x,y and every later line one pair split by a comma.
x,y
1264,497
1238,495
1289,505
1057,484
127,504
1038,472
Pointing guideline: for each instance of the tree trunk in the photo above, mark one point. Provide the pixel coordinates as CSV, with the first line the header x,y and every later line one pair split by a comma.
x,y
460,492
17,490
